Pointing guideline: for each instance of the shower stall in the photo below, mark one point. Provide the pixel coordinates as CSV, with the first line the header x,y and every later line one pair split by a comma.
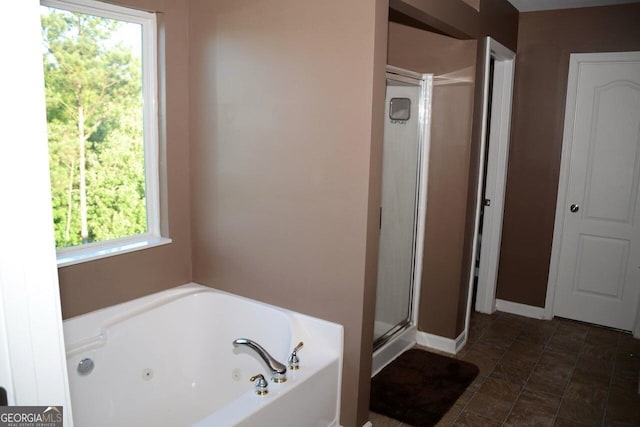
x,y
402,211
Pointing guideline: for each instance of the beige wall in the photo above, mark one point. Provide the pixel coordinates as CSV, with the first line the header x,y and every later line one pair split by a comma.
x,y
426,52
285,161
97,284
462,19
544,43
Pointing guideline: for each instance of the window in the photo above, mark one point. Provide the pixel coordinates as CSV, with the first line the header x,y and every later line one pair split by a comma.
x,y
100,83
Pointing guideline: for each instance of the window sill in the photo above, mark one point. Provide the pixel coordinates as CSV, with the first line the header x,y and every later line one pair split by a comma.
x,y
93,251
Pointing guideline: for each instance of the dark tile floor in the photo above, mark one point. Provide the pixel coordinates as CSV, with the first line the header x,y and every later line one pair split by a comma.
x,y
545,373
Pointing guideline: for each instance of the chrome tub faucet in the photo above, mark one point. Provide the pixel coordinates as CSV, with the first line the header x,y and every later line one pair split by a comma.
x,y
278,370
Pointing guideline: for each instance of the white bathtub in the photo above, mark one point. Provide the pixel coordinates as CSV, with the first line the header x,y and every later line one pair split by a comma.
x,y
167,360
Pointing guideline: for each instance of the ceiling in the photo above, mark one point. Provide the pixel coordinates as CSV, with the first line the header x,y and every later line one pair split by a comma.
x,y
531,5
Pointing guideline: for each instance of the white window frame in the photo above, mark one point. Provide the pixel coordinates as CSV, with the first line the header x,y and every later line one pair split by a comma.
x,y
153,236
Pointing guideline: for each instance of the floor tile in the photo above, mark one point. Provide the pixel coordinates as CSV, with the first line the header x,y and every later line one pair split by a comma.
x,y
468,419
505,390
571,328
602,337
538,402
505,328
379,420
489,350
627,363
471,390
536,335
513,371
602,353
570,356
628,344
619,398
623,410
497,340
554,358
581,413
495,408
466,397
526,349
586,394
484,363
564,344
515,354
583,375
522,417
624,385
450,416
546,384
561,422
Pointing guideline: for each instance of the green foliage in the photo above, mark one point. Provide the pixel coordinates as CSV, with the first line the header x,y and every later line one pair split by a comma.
x,y
94,104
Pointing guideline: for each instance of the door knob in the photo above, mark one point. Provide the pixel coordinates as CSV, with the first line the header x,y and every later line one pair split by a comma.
x,y
574,208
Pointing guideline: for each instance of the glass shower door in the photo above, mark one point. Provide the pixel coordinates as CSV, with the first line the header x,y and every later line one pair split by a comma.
x,y
400,165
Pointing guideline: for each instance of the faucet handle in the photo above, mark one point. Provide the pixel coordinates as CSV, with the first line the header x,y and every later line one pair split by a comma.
x,y
260,383
294,361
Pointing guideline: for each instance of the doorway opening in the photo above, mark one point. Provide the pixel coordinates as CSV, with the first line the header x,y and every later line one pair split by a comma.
x,y
494,152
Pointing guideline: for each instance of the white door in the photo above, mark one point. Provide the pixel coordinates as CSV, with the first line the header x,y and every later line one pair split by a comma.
x,y
598,275
33,368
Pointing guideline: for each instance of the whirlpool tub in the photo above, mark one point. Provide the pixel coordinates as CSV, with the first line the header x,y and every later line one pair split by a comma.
x,y
167,359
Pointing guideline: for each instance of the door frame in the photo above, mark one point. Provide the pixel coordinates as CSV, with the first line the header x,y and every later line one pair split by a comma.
x,y
575,59
503,77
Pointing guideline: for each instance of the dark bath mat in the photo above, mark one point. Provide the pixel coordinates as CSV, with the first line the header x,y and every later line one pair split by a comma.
x,y
419,387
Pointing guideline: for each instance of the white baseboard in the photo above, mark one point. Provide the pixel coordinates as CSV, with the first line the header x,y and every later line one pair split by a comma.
x,y
392,349
437,342
520,309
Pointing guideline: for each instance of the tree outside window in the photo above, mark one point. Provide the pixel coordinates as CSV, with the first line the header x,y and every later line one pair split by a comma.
x,y
93,79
